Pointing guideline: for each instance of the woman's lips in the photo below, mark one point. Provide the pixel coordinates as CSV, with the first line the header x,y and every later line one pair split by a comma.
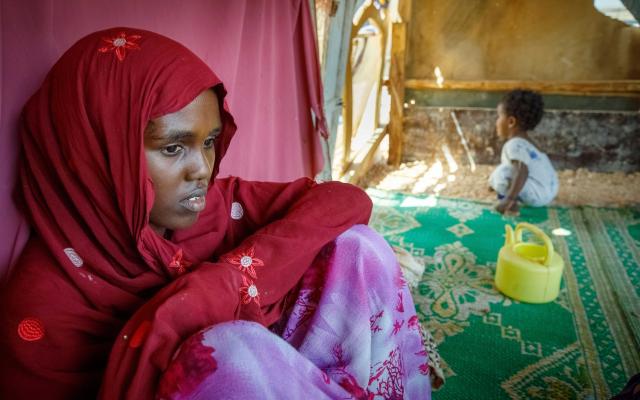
x,y
195,202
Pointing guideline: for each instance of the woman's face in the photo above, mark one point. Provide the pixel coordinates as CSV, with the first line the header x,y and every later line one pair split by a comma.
x,y
179,149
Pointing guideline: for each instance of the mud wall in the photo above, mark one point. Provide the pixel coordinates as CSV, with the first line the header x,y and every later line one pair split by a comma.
x,y
566,40
599,141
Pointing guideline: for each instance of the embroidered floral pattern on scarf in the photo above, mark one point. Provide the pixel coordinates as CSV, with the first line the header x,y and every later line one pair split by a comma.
x,y
120,44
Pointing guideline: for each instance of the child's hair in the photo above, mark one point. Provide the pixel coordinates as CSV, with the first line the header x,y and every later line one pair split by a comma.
x,y
525,106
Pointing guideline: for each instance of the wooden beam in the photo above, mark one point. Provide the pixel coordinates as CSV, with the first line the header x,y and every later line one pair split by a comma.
x,y
396,91
363,160
347,112
367,12
613,88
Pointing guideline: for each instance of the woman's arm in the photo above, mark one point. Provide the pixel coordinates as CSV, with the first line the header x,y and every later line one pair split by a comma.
x,y
265,202
288,230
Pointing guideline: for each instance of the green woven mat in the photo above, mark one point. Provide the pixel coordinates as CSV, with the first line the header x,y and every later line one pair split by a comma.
x,y
585,344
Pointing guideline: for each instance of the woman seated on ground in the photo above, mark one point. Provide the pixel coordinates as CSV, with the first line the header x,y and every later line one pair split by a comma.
x,y
145,277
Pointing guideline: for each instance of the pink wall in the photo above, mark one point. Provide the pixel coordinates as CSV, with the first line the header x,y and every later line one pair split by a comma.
x,y
263,50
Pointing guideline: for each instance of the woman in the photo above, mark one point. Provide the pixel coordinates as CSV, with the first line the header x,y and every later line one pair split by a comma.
x,y
141,265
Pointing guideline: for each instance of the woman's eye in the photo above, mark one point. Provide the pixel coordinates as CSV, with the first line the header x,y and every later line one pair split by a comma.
x,y
209,142
172,150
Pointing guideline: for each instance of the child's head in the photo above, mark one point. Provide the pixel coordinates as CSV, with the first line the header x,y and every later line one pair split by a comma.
x,y
518,111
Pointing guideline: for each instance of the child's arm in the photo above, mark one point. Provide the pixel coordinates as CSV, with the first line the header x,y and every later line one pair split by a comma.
x,y
509,205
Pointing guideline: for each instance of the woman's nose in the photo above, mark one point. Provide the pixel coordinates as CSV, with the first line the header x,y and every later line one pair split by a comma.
x,y
201,165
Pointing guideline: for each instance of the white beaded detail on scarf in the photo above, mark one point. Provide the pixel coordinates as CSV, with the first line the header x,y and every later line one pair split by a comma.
x,y
246,261
73,257
236,210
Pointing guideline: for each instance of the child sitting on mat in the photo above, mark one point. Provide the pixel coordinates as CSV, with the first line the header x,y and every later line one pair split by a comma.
x,y
525,173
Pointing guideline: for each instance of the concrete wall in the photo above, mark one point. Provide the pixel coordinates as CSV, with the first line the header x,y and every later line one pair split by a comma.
x,y
598,141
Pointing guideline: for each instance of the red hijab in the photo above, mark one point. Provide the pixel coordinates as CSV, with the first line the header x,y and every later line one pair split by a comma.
x,y
95,278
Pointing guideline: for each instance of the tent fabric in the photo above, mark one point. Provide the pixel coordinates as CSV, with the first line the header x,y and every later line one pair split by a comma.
x,y
264,52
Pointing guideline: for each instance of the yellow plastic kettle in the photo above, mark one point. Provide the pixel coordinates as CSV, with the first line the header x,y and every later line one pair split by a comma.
x,y
528,271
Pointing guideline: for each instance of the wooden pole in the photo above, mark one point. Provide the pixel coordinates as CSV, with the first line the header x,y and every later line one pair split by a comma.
x,y
397,82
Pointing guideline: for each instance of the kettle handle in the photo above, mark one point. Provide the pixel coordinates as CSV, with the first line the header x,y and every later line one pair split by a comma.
x,y
509,238
541,235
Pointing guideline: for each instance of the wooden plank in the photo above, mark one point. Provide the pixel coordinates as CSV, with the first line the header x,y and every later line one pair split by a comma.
x,y
617,88
396,90
347,111
367,12
363,160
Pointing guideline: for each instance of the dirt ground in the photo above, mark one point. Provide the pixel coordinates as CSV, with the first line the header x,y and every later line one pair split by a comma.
x,y
579,187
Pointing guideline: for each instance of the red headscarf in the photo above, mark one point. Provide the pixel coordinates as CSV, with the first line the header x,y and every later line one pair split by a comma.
x,y
95,276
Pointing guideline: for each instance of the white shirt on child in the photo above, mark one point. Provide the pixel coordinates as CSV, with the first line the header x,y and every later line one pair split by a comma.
x,y
542,183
